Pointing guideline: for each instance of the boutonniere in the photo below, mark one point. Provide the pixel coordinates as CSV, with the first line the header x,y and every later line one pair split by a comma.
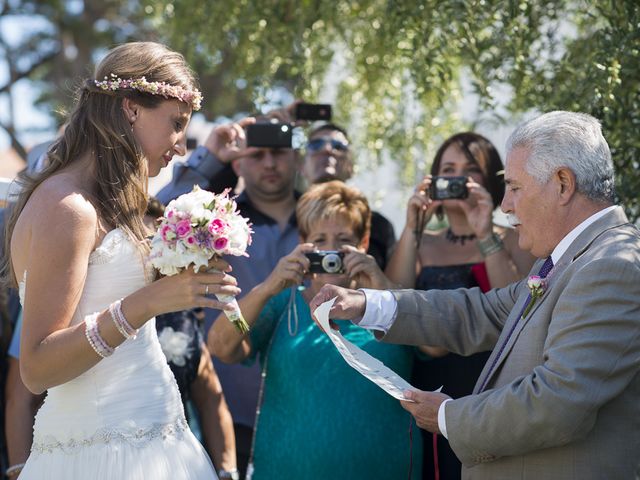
x,y
537,286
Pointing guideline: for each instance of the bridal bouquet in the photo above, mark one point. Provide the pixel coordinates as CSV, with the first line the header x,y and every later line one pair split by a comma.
x,y
196,227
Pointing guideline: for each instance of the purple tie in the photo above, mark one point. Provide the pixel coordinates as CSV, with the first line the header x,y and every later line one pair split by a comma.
x,y
544,271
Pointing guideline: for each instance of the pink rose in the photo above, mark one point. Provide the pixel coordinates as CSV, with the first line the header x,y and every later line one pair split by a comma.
x,y
167,232
191,240
217,226
183,228
220,244
171,216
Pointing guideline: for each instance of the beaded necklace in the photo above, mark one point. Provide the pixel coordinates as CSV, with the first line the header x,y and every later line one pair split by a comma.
x,y
461,239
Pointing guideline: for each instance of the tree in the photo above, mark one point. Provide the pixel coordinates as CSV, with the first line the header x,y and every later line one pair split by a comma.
x,y
401,63
396,69
58,45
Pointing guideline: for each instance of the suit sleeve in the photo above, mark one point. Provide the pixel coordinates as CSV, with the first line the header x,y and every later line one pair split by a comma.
x,y
464,321
590,355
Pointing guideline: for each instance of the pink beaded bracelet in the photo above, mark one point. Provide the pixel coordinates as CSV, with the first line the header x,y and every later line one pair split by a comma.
x,y
123,326
94,338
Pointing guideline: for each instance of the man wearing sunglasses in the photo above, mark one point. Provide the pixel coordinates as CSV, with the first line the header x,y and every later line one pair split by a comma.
x,y
328,157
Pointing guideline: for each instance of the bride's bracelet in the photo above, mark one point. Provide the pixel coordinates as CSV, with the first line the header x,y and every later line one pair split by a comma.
x,y
123,326
14,470
94,338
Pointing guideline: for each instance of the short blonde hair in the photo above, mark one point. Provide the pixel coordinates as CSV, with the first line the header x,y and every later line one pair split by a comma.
x,y
332,200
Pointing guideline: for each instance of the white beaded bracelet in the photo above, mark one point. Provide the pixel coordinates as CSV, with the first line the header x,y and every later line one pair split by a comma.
x,y
123,326
94,338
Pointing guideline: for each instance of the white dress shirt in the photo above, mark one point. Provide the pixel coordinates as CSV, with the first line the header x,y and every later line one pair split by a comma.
x,y
381,307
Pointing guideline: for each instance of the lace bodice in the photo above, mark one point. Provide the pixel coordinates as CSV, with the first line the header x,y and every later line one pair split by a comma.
x,y
130,396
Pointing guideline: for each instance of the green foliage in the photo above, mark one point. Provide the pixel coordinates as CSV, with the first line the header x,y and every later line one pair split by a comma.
x,y
397,67
394,69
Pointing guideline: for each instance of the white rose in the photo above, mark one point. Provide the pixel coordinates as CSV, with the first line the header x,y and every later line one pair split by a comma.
x,y
175,346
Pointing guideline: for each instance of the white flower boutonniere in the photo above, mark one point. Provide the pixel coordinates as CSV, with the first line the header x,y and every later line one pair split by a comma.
x,y
537,286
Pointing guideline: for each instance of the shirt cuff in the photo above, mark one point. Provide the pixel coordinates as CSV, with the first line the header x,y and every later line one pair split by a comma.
x,y
380,310
205,162
442,420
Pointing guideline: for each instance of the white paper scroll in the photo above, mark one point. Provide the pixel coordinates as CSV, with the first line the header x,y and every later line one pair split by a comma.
x,y
361,361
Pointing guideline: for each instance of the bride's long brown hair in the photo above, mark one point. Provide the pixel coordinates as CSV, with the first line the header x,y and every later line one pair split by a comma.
x,y
97,126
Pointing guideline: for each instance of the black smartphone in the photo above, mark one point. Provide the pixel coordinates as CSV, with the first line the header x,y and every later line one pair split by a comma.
x,y
269,135
326,261
313,111
445,188
192,143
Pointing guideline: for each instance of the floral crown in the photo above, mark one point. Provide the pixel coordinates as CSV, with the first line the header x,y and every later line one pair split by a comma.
x,y
192,97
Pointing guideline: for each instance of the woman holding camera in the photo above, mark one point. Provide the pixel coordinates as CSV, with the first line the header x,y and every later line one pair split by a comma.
x,y
299,433
471,251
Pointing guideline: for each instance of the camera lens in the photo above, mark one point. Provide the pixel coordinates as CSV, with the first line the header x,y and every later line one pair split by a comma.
x,y
456,189
332,263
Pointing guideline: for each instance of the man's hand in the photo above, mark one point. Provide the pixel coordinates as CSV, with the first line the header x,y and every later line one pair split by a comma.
x,y
424,408
349,305
228,142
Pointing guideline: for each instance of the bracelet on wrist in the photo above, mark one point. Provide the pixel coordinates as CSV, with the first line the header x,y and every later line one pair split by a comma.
x,y
490,245
14,470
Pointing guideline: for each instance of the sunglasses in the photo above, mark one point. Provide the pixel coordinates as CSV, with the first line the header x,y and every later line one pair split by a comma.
x,y
318,144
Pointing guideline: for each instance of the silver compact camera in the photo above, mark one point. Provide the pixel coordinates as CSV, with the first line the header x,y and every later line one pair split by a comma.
x,y
326,261
445,188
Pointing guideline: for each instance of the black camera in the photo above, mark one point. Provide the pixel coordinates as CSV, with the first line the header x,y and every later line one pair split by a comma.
x,y
313,111
269,135
445,188
326,261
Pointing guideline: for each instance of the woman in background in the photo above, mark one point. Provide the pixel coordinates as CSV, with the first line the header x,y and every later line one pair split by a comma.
x,y
300,432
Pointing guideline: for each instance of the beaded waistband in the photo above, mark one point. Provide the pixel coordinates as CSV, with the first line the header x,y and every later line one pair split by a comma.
x,y
138,437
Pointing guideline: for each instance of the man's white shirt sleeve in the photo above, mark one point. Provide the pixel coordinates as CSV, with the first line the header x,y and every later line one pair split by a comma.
x,y
380,312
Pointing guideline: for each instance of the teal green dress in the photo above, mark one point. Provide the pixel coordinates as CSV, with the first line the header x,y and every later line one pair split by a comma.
x,y
319,418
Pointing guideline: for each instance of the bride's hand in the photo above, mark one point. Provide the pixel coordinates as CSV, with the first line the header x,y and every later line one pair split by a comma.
x,y
189,289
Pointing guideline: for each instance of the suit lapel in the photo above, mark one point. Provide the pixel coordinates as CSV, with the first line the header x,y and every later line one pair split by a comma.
x,y
580,245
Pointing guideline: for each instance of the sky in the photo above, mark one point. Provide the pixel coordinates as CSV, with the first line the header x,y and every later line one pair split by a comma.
x,y
26,116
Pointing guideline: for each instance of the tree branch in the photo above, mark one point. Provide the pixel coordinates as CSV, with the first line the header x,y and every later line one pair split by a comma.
x,y
20,75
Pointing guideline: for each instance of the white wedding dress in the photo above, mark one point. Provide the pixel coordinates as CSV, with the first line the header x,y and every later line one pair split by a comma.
x,y
123,418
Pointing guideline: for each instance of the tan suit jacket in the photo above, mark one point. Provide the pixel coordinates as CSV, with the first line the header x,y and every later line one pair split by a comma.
x,y
563,401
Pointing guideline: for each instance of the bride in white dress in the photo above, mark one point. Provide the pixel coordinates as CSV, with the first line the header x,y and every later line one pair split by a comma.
x,y
77,243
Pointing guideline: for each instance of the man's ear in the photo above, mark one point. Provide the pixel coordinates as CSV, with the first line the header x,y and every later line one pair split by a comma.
x,y
235,165
567,184
131,110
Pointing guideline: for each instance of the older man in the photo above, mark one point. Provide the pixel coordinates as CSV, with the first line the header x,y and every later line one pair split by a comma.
x,y
559,398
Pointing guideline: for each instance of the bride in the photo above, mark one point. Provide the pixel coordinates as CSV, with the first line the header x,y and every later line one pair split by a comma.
x,y
77,243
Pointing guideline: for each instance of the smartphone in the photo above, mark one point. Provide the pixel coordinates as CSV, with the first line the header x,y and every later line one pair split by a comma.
x,y
269,135
313,111
192,143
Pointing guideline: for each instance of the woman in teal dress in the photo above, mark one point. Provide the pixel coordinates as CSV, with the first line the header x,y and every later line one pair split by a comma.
x,y
301,431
